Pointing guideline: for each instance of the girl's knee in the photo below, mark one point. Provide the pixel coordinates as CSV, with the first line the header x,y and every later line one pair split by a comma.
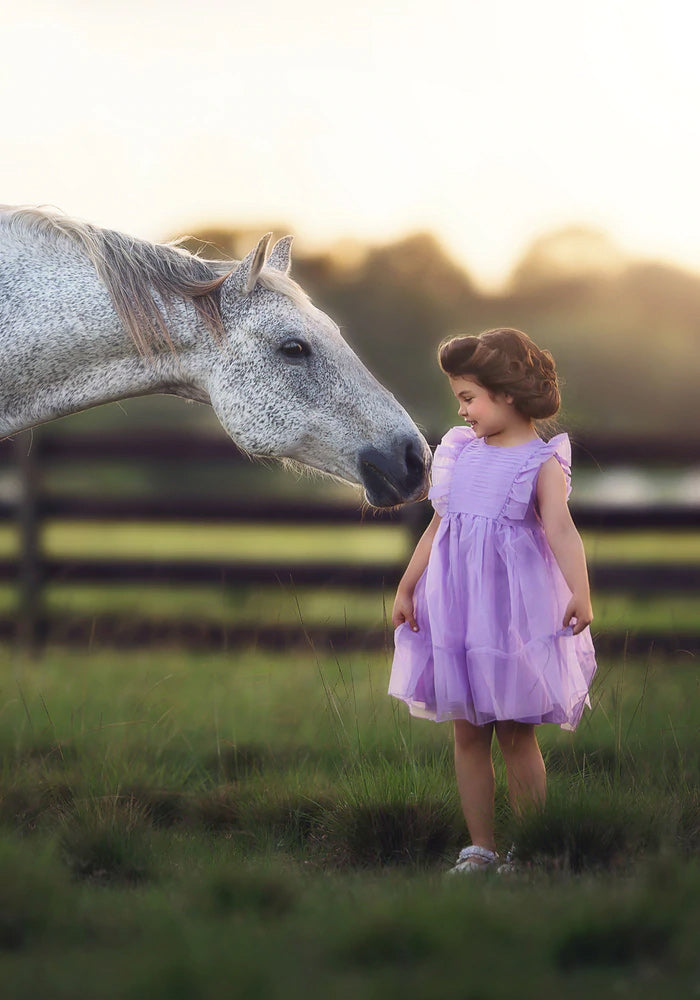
x,y
468,735
514,737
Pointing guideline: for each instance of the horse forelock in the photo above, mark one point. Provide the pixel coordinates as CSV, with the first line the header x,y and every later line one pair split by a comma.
x,y
133,270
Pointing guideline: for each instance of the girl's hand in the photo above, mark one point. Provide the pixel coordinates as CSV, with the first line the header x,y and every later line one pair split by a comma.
x,y
579,607
403,611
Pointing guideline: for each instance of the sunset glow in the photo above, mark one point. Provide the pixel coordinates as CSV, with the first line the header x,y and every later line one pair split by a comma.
x,y
484,123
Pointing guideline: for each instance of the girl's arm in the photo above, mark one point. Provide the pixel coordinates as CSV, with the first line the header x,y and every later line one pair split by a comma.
x,y
565,542
403,605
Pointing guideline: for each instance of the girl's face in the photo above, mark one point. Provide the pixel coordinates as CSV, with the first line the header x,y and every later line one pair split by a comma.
x,y
488,413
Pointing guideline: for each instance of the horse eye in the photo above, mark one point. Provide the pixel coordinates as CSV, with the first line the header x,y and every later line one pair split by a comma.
x,y
295,349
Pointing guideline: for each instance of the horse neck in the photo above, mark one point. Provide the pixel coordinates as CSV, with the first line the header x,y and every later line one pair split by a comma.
x,y
63,348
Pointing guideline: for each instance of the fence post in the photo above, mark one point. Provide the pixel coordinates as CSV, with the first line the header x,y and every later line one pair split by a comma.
x,y
29,580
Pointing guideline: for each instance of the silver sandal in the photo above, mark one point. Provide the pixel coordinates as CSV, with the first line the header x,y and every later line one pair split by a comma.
x,y
474,859
510,864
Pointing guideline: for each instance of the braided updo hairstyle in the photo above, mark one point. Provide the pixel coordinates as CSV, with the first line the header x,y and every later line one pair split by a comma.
x,y
507,361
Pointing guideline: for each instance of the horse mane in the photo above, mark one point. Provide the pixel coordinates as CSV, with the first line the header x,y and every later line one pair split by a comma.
x,y
143,278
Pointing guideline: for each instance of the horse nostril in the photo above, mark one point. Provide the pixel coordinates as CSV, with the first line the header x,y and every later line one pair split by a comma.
x,y
415,460
397,475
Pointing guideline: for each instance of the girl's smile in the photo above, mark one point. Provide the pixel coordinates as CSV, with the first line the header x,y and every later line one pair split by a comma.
x,y
491,415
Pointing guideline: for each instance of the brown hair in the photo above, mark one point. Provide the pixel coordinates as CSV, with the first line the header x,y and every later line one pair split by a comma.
x,y
506,360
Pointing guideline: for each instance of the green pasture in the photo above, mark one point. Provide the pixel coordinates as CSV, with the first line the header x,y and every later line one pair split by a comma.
x,y
184,825
180,824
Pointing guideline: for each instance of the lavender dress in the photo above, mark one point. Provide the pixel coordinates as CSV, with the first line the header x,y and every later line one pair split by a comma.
x,y
490,604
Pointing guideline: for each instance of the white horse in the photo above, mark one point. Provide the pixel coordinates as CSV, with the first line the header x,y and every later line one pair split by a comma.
x,y
88,315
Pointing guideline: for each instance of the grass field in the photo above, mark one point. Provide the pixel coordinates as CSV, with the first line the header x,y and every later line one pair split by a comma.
x,y
186,825
177,824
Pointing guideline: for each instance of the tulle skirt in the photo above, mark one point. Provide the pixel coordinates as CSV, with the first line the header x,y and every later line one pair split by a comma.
x,y
491,645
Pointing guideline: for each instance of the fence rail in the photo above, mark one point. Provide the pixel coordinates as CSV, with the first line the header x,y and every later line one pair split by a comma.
x,y
32,570
641,578
603,517
129,633
592,449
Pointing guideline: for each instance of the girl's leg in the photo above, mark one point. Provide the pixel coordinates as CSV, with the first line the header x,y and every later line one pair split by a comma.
x,y
527,778
475,781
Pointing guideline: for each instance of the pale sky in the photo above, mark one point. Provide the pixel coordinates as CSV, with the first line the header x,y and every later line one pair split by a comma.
x,y
484,122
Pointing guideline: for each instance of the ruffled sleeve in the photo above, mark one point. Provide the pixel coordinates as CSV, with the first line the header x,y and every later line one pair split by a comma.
x,y
560,447
446,455
518,500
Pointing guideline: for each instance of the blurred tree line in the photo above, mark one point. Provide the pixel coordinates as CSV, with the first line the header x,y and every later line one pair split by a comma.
x,y
625,333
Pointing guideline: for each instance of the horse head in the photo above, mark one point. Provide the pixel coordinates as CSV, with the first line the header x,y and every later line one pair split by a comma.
x,y
285,384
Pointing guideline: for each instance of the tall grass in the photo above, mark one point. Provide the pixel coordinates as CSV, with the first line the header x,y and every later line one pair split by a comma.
x,y
191,816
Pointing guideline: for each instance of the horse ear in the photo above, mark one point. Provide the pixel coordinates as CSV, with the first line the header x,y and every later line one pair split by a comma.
x,y
245,277
281,256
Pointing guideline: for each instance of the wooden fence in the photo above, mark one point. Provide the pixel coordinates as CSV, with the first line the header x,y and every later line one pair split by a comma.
x,y
32,507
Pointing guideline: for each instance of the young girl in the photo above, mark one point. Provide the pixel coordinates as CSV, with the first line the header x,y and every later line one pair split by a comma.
x,y
493,610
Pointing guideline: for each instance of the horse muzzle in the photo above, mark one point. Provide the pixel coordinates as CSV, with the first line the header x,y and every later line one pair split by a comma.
x,y
398,476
